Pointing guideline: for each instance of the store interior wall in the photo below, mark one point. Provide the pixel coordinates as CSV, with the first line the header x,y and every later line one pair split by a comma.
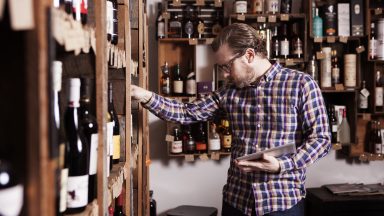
x,y
176,182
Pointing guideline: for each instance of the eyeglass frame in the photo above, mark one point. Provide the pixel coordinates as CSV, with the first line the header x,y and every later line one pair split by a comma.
x,y
227,66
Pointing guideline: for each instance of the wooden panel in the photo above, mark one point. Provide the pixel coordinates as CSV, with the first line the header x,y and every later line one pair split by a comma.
x,y
361,131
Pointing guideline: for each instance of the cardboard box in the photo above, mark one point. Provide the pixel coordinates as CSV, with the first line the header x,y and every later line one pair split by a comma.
x,y
343,19
357,17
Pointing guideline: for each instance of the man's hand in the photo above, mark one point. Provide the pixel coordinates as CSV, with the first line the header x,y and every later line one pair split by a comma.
x,y
266,163
140,94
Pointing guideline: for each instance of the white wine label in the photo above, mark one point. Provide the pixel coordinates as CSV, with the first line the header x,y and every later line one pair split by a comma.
x,y
363,102
161,29
77,191
109,17
178,86
379,96
334,128
214,144
191,87
177,147
63,189
284,47
93,154
110,138
116,147
11,200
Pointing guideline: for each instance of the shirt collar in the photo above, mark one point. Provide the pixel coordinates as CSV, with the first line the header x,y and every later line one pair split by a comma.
x,y
268,75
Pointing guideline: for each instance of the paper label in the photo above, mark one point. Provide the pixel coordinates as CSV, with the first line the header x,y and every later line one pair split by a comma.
x,y
189,157
93,154
77,191
11,200
177,146
116,147
63,189
21,14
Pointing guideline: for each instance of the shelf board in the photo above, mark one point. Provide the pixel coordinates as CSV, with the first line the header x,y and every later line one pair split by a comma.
x,y
197,154
289,61
335,39
190,41
366,156
376,61
91,209
278,15
333,90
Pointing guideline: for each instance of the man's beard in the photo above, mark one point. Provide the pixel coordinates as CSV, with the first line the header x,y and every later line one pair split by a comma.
x,y
242,82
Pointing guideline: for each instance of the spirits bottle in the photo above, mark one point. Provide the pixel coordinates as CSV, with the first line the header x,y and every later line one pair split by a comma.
x,y
312,69
175,27
378,141
177,143
297,43
178,85
165,80
189,144
379,92
272,6
350,70
200,26
227,137
188,26
191,81
214,139
373,43
284,42
160,21
326,67
257,6
330,24
241,6
201,140
317,25
344,130
334,125
217,26
286,6
363,98
335,73
275,44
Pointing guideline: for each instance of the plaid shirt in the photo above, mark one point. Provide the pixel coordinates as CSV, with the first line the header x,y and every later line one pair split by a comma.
x,y
285,106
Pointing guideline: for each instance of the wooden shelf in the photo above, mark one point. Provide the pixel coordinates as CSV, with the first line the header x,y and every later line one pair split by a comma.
x,y
91,210
336,39
333,90
197,154
190,41
366,156
267,16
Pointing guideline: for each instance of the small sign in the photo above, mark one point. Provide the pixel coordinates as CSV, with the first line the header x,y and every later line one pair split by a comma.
x,y
284,17
343,39
318,40
272,18
204,157
331,39
378,11
320,55
192,41
215,156
200,2
261,19
218,3
169,138
360,49
336,146
241,17
166,15
339,87
289,62
367,116
189,157
176,3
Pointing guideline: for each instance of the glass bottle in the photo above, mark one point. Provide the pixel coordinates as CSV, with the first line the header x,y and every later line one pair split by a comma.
x,y
326,68
334,125
188,26
178,86
191,81
68,6
275,44
378,140
379,91
344,130
335,73
317,25
312,69
119,205
165,80
284,42
217,26
214,139
152,204
330,24
200,26
227,137
257,6
115,147
189,144
201,140
177,143
272,6
175,27
372,53
160,21
241,6
297,43
286,6
363,98
80,10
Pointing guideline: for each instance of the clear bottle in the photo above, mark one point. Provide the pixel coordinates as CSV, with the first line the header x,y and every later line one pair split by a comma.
x,y
284,42
363,98
190,87
312,69
335,73
379,91
317,25
165,80
160,22
227,137
297,43
344,130
372,51
178,86
177,143
214,139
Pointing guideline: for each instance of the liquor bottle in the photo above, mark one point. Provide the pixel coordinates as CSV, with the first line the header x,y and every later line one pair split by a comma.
x,y
217,26
68,6
116,127
200,26
372,53
189,144
350,70
227,137
312,69
165,80
109,134
119,206
201,140
286,6
344,130
80,10
372,137
275,44
378,141
379,92
178,86
177,143
175,27
190,87
152,204
214,139
114,23
188,25
326,67
241,6
272,6
11,189
284,42
89,124
335,72
160,21
317,25
297,43
78,170
330,24
257,6
334,125
363,98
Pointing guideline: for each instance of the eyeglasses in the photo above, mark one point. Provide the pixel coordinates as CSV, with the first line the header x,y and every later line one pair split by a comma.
x,y
227,67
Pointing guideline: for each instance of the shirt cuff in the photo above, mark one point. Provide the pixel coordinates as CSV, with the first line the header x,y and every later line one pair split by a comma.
x,y
151,103
286,164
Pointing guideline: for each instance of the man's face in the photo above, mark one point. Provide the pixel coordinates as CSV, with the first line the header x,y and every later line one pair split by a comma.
x,y
234,66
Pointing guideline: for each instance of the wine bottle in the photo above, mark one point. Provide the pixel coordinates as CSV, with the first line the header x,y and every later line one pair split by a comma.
x,y
152,204
190,87
334,125
377,137
11,189
112,21
286,6
214,139
379,91
312,69
165,80
297,43
189,144
335,72
160,21
344,130
363,98
372,51
177,82
177,143
284,42
89,124
116,127
275,44
201,140
119,205
78,171
227,137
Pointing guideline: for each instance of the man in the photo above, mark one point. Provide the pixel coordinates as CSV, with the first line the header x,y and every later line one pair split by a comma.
x,y
268,106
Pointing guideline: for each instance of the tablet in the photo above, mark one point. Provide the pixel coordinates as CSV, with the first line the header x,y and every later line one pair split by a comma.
x,y
276,152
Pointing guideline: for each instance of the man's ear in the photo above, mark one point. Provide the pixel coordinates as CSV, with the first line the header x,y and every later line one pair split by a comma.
x,y
250,55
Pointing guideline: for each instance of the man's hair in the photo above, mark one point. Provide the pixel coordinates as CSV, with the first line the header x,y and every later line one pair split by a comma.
x,y
238,37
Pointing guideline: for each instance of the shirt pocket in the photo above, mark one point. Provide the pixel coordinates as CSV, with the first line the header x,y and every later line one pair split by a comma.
x,y
284,117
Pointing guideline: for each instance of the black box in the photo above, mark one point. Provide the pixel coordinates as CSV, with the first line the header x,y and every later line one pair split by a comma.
x,y
357,17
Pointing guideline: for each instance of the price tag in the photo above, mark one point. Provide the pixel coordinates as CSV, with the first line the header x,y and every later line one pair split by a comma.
x,y
363,157
336,146
209,40
192,41
284,17
166,15
331,39
320,55
189,157
343,39
204,157
2,3
367,116
176,3
218,3
200,2
318,40
169,138
378,11
215,156
289,62
364,92
241,17
261,19
360,49
339,87
272,18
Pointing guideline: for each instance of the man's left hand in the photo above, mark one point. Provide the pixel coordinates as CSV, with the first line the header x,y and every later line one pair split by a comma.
x,y
266,164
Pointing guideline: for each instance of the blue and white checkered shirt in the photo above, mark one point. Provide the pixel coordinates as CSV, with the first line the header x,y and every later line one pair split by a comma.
x,y
285,106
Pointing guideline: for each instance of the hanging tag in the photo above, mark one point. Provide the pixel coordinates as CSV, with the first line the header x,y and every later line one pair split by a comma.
x,y
272,18
87,41
241,17
339,87
115,56
343,39
378,11
169,138
367,116
124,59
2,4
289,62
215,156
209,41
364,92
21,14
360,49
320,55
200,2
218,3
166,15
284,17
192,41
261,19
331,39
176,3
336,146
204,157
189,157
318,40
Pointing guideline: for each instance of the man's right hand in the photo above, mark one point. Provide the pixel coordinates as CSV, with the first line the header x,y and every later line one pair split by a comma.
x,y
140,94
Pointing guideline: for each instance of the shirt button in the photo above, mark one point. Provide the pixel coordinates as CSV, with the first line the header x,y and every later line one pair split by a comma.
x,y
258,125
259,106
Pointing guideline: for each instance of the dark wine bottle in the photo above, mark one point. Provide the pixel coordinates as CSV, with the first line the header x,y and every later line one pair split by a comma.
x,y
77,187
152,204
89,125
112,33
116,126
119,206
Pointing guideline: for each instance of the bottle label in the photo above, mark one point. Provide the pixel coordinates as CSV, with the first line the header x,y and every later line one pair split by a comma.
x,y
200,28
178,86
63,189
257,6
116,147
166,87
372,48
284,47
188,28
109,17
201,146
378,148
160,29
77,191
241,7
214,144
93,154
298,47
110,138
177,147
191,87
350,70
363,102
379,96
326,78
11,200
273,6
335,75
227,141
334,128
